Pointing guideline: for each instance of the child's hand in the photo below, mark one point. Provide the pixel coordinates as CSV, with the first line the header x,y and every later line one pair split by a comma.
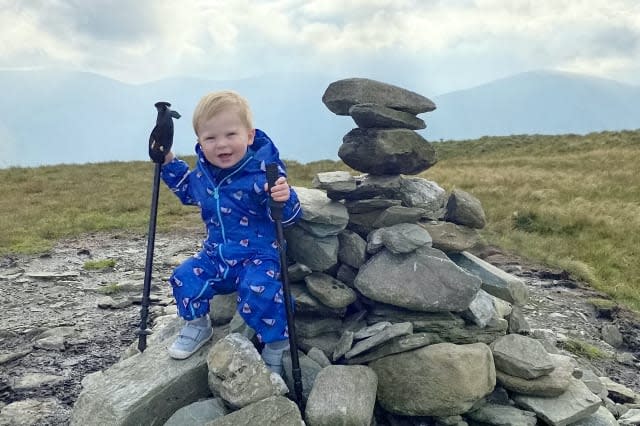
x,y
280,192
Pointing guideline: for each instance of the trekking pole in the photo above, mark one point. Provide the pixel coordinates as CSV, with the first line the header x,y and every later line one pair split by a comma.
x,y
160,142
276,214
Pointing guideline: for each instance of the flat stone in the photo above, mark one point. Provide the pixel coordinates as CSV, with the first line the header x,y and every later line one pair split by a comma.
x,y
549,385
29,412
52,275
376,116
397,345
35,380
494,414
272,411
576,403
341,95
521,356
388,333
342,395
329,291
198,413
451,238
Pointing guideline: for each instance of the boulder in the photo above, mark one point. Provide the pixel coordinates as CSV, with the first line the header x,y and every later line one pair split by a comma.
x,y
387,151
341,95
438,380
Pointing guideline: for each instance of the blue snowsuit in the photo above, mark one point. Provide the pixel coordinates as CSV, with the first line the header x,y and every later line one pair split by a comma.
x,y
240,250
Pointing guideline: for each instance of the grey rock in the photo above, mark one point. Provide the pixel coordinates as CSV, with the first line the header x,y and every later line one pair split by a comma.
x,y
395,215
372,115
28,412
343,345
223,308
631,417
397,345
593,382
329,291
341,95
517,321
52,343
387,151
405,380
611,334
371,330
319,254
321,216
352,250
602,417
298,271
618,392
334,181
366,206
521,356
451,238
388,333
312,326
424,280
503,415
343,395
12,356
319,357
425,194
132,392
495,281
576,403
346,274
271,411
238,374
325,342
465,209
35,380
309,369
549,385
52,276
404,237
371,186
198,413
306,303
108,302
482,309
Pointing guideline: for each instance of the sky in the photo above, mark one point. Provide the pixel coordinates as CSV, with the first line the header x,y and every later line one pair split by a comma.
x,y
438,45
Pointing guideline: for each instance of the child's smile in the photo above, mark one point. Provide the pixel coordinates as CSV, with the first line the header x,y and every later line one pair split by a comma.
x,y
224,139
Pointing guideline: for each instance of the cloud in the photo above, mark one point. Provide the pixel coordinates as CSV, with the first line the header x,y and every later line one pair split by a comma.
x,y
453,43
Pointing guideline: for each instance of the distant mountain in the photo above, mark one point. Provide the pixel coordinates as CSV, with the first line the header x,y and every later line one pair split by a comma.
x,y
537,102
52,117
73,117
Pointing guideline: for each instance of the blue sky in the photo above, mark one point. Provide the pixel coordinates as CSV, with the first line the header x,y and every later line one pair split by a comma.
x,y
438,46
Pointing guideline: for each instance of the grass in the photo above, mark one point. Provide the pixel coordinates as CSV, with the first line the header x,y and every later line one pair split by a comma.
x,y
568,201
583,349
95,265
110,289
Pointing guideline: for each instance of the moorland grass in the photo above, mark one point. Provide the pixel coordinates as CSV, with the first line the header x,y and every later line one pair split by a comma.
x,y
568,201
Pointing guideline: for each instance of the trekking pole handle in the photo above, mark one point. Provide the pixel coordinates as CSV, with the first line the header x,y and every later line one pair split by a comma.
x,y
272,176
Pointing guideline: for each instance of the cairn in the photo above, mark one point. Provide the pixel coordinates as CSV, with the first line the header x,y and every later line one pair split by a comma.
x,y
397,322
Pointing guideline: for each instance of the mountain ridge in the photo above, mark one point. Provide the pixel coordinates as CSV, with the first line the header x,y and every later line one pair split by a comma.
x,y
59,116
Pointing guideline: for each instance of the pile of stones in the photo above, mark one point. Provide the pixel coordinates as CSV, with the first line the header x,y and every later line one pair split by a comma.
x,y
397,322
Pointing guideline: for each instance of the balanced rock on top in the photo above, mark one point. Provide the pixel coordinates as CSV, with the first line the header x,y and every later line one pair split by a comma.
x,y
384,143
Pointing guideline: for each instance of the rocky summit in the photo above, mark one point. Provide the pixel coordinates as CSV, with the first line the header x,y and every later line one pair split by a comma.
x,y
397,322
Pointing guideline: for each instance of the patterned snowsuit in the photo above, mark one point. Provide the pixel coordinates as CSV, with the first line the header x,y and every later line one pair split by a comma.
x,y
240,250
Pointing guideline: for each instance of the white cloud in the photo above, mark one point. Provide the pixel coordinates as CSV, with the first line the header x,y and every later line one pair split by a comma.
x,y
449,43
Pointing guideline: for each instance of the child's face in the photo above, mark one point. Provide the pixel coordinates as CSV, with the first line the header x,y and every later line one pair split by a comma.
x,y
224,139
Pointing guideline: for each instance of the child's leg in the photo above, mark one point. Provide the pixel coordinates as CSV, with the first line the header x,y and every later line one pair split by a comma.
x,y
194,283
261,305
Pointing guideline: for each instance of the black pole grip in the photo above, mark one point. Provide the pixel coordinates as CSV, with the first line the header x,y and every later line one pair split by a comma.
x,y
272,176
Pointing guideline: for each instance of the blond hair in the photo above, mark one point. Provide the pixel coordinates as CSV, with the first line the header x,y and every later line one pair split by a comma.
x,y
216,102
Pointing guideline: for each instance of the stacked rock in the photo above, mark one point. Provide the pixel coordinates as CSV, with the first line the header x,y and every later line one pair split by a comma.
x,y
381,264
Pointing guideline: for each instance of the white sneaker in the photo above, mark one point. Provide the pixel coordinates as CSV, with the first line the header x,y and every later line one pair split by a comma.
x,y
192,337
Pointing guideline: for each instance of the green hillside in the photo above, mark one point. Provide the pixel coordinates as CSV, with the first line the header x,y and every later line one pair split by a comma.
x,y
568,201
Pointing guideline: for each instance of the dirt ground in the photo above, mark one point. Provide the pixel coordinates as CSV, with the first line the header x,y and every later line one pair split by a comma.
x,y
60,322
